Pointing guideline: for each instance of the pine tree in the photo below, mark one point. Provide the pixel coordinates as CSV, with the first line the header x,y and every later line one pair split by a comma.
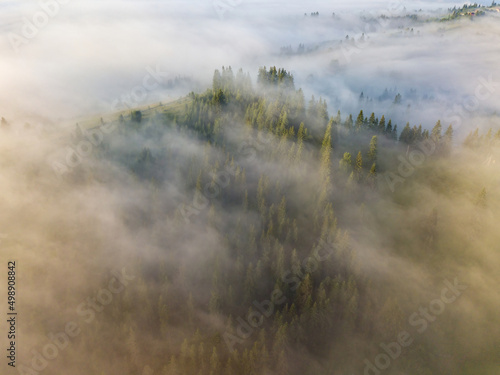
x,y
472,140
346,162
214,363
322,111
359,121
312,109
436,132
448,139
282,122
381,125
300,105
358,167
338,118
488,137
372,123
280,340
371,178
388,129
405,136
372,153
395,132
448,135
300,142
348,124
304,292
497,136
281,214
216,81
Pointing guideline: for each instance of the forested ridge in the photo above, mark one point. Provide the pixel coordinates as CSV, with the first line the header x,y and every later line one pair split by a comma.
x,y
274,206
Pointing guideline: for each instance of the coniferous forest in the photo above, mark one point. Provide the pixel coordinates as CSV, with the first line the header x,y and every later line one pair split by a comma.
x,y
251,226
268,262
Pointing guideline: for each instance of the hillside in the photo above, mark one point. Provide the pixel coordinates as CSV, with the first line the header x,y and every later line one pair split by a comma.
x,y
283,240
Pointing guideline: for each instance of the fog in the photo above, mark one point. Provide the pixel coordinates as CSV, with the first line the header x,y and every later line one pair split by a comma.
x,y
90,54
73,231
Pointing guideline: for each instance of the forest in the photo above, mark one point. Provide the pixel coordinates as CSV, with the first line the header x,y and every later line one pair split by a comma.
x,y
278,238
232,187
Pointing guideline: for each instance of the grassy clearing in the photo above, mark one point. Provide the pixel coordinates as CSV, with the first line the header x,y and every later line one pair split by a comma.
x,y
172,108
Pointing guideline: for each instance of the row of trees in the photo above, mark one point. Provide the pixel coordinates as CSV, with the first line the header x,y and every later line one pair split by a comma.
x,y
476,141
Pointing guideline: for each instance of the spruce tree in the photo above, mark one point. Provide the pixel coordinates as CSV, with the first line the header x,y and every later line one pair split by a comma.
x,y
436,132
372,123
371,178
358,167
359,121
346,162
372,153
405,136
388,129
348,124
381,125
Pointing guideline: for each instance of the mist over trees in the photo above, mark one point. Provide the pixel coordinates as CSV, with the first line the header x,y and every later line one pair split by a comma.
x,y
275,240
331,207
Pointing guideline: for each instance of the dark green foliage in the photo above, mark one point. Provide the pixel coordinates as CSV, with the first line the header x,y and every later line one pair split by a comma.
x,y
136,116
